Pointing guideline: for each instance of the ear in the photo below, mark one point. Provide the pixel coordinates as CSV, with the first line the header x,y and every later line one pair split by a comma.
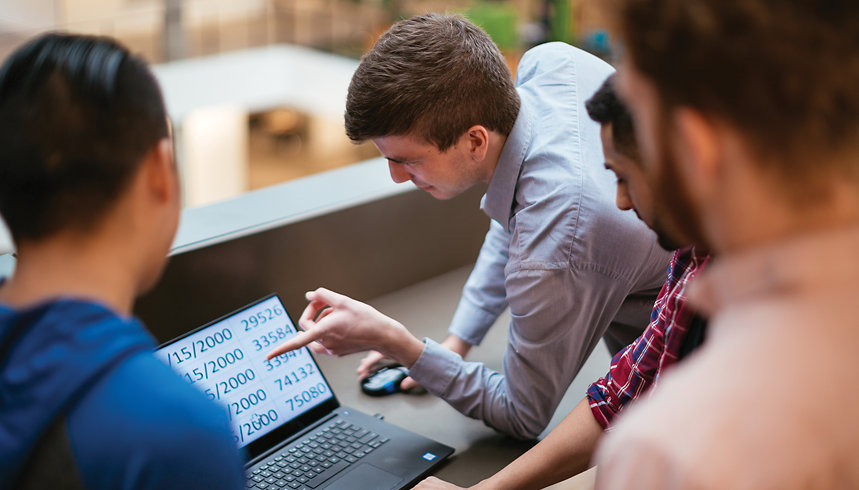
x,y
696,141
159,171
477,138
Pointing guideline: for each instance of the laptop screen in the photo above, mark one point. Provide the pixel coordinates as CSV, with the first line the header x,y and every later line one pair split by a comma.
x,y
226,361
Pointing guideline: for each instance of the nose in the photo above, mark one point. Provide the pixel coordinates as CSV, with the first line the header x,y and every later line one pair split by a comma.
x,y
623,201
399,174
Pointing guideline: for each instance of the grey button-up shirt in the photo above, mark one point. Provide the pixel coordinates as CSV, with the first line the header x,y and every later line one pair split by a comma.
x,y
559,253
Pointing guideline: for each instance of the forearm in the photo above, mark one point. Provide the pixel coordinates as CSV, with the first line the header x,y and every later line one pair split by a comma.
x,y
477,391
550,340
400,345
484,296
456,344
565,452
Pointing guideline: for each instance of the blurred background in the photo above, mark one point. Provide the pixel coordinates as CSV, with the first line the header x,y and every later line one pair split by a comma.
x,y
256,89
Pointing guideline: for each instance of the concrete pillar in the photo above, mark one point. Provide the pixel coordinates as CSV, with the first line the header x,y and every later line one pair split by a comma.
x,y
214,154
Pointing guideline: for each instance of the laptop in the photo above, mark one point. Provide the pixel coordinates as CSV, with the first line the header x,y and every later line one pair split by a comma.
x,y
284,413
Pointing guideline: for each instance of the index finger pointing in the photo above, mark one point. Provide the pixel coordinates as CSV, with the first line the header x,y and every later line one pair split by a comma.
x,y
300,340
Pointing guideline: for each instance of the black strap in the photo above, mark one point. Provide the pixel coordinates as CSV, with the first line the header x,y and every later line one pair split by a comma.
x,y
52,464
694,335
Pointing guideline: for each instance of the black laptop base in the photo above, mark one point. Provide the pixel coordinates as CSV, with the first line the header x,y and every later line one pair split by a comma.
x,y
348,450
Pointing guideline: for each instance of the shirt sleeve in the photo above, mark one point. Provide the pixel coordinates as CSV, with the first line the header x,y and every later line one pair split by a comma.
x,y
194,456
609,394
484,297
551,336
171,435
635,368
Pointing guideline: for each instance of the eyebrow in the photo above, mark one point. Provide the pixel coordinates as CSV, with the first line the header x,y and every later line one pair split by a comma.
x,y
401,159
613,169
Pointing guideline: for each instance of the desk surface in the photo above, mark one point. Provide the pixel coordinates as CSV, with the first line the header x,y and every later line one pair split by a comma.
x,y
426,308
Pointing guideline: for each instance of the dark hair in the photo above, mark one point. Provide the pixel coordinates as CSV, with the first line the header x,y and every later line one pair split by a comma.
x,y
77,116
606,108
785,74
433,76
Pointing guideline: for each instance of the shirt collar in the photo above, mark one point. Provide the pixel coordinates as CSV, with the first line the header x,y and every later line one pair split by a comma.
x,y
499,199
809,262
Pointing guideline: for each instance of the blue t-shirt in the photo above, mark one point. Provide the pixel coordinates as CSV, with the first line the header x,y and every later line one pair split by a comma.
x,y
131,422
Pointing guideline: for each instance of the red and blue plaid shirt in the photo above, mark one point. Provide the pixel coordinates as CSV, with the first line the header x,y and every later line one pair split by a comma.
x,y
637,367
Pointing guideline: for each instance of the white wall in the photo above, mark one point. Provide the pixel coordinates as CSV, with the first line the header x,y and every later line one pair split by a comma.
x,y
214,154
117,16
27,15
6,245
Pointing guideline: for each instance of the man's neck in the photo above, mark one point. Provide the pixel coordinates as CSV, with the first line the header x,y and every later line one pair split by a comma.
x,y
72,266
838,208
493,154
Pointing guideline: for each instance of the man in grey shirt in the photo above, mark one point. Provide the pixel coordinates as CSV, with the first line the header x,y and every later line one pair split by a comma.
x,y
436,97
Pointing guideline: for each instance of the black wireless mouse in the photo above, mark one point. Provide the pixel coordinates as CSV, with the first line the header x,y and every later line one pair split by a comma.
x,y
385,381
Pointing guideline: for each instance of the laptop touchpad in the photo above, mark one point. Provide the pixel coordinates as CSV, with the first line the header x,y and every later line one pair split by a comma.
x,y
366,476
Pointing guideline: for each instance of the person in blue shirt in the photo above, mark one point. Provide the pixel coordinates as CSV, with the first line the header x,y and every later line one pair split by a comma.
x,y
437,99
90,193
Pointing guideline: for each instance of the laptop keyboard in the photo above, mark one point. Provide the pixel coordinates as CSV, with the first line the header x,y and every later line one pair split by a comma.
x,y
315,458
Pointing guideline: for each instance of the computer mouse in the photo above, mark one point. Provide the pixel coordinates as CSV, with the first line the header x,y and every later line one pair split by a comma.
x,y
385,381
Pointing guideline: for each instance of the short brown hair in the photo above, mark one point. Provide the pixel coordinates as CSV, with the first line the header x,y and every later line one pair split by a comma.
x,y
433,76
784,73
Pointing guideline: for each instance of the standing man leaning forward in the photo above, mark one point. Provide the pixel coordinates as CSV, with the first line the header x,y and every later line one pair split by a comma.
x,y
436,97
748,115
90,193
674,330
